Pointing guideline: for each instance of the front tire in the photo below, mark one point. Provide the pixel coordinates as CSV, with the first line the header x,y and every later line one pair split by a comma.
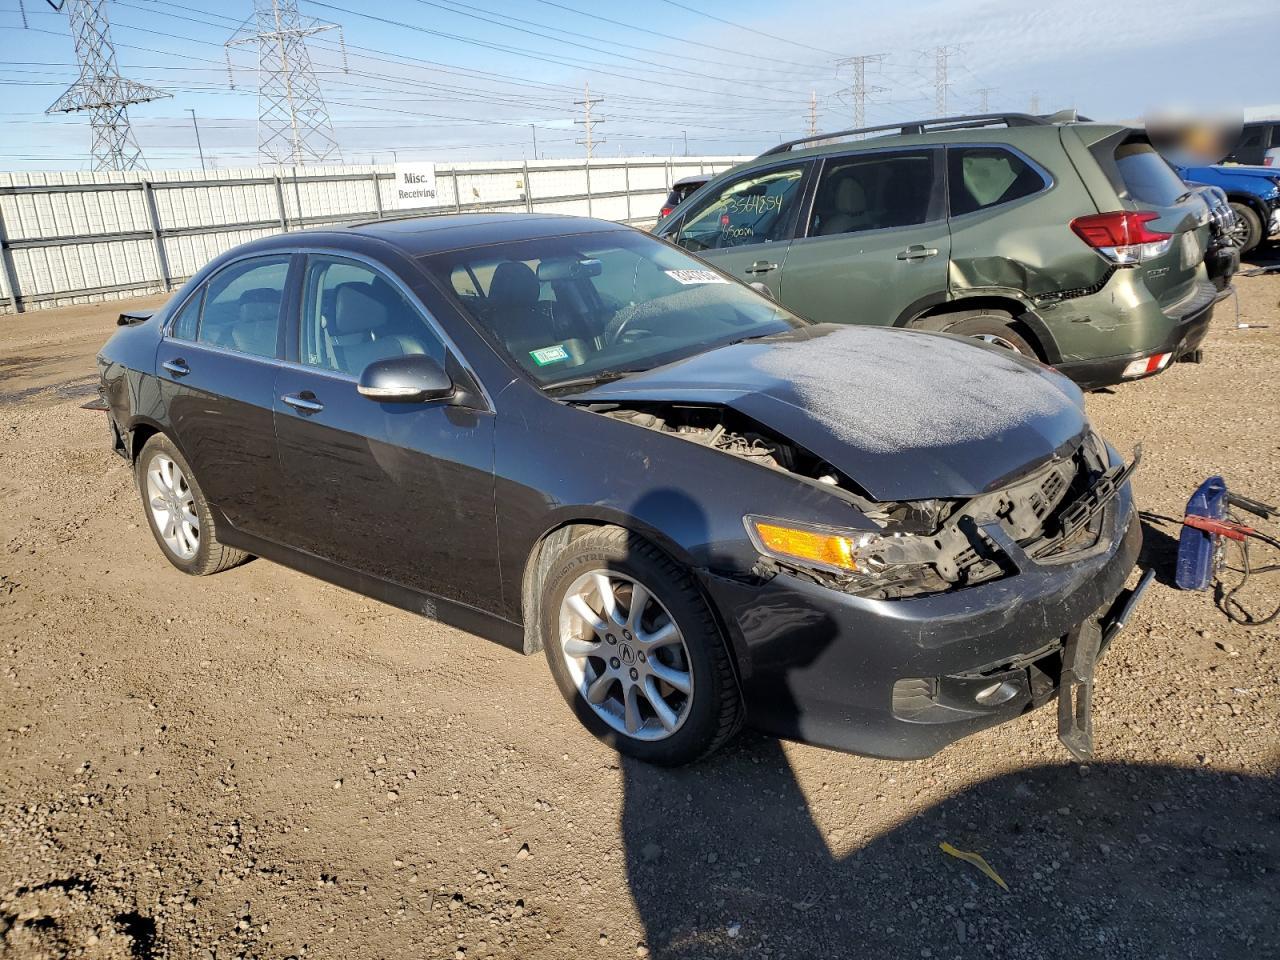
x,y
1248,231
635,650
177,512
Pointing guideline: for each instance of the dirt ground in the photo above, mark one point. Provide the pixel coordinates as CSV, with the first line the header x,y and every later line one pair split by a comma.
x,y
261,765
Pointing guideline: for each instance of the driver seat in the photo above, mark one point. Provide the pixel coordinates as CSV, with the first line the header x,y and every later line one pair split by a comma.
x,y
513,311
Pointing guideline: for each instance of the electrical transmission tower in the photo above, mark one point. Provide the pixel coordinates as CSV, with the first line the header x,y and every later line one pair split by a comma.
x,y
587,121
860,91
1035,103
941,56
984,98
813,113
100,89
293,121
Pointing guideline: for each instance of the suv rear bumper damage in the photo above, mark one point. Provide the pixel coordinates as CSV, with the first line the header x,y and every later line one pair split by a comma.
x,y
1185,334
901,679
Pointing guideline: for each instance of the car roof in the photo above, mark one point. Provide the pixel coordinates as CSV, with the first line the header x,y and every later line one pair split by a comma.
x,y
427,235
1013,135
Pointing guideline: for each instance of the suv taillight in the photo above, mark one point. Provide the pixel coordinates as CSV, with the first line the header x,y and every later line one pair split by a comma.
x,y
1122,237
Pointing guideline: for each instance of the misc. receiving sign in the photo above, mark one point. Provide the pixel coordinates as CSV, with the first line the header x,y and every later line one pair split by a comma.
x,y
414,186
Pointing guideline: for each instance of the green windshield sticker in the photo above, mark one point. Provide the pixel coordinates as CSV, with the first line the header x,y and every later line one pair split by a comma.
x,y
547,355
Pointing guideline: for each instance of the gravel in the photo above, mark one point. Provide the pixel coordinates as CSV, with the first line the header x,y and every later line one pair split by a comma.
x,y
205,768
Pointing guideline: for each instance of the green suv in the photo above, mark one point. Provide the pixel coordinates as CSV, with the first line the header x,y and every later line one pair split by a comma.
x,y
1070,241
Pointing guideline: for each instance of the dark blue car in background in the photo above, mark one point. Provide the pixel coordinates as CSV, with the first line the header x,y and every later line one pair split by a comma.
x,y
1254,193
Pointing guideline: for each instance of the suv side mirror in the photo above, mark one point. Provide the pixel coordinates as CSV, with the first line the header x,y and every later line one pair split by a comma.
x,y
413,378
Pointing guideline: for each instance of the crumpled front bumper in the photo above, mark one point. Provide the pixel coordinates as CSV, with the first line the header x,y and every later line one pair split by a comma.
x,y
899,678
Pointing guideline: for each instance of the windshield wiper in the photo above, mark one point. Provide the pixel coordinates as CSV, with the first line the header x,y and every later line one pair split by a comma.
x,y
604,376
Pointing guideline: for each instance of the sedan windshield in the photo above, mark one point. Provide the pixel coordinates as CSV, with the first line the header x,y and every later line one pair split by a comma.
x,y
577,309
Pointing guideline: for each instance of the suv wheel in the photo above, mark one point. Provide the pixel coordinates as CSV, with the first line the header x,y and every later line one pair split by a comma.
x,y
636,652
178,513
1247,232
991,326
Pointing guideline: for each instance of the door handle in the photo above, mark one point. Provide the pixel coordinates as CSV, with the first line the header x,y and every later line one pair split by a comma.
x,y
760,266
917,251
304,402
177,367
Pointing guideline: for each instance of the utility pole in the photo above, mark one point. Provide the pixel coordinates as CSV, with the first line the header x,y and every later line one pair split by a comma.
x,y
197,129
1035,102
100,89
685,134
941,56
813,113
984,99
588,124
860,91
533,128
293,120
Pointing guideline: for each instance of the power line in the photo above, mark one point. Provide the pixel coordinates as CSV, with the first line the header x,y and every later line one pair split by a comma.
x,y
739,26
101,90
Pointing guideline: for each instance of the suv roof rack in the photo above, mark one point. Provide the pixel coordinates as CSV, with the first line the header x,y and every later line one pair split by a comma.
x,y
938,124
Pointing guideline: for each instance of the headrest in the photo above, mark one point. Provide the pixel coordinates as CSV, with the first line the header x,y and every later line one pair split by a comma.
x,y
850,197
514,285
260,305
356,310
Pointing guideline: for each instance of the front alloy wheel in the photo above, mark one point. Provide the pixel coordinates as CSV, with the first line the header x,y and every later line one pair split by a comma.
x,y
626,655
635,649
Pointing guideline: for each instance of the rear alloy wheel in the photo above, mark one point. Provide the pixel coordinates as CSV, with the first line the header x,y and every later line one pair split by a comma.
x,y
177,511
1247,231
635,650
995,328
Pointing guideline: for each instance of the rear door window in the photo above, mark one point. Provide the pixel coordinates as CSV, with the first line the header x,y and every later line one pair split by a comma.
x,y
759,207
188,318
242,306
874,191
1147,177
982,177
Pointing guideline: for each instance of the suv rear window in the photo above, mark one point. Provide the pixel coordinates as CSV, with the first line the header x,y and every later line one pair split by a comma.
x,y
1147,178
982,177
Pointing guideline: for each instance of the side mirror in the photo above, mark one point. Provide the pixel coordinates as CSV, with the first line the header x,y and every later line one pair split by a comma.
x,y
414,378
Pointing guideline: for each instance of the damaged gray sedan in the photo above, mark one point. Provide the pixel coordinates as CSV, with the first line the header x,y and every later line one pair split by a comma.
x,y
569,436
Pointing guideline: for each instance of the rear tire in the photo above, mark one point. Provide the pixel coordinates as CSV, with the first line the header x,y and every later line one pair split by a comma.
x,y
991,326
177,512
1248,227
620,662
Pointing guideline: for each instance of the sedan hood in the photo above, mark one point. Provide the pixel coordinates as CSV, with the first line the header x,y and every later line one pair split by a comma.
x,y
907,415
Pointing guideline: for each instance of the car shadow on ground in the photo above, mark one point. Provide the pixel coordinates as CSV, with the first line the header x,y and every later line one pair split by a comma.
x,y
725,860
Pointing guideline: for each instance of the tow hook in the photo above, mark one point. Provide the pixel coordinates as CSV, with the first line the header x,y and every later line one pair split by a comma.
x,y
1079,657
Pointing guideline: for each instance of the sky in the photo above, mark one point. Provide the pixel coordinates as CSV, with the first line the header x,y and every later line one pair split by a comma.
x,y
447,80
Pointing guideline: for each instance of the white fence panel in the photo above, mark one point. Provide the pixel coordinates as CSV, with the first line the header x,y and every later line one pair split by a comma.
x,y
76,237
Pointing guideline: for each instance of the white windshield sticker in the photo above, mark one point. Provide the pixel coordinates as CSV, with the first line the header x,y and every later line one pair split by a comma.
x,y
688,277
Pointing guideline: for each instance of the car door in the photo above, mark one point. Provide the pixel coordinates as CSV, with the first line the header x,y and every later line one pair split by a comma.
x,y
745,227
875,240
216,366
398,491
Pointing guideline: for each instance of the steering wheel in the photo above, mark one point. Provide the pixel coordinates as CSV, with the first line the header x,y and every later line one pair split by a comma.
x,y
616,327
